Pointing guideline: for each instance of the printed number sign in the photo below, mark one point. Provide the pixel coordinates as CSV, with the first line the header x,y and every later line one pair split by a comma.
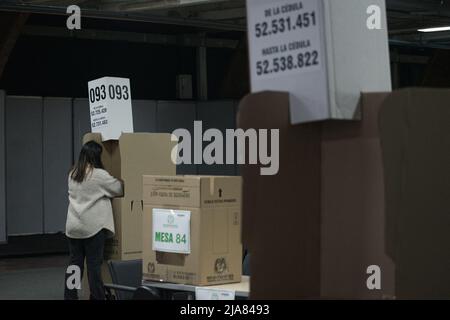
x,y
284,37
110,107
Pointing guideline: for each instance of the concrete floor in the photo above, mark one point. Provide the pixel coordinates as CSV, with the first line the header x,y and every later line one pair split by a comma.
x,y
32,278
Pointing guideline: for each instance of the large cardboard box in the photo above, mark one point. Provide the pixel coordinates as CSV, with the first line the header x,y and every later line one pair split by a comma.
x,y
128,158
415,137
281,213
214,204
352,206
326,204
323,52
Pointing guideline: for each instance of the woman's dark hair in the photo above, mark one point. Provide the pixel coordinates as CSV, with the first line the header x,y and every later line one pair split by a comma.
x,y
90,157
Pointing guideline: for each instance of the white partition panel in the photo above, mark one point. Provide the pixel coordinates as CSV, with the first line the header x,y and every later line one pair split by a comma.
x,y
24,196
144,115
173,115
57,156
81,124
218,115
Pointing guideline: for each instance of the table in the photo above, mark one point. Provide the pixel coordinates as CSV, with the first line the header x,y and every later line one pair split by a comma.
x,y
241,289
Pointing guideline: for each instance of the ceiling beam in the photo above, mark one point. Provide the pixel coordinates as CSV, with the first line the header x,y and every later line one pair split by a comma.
x,y
227,14
408,58
185,40
425,37
418,5
146,5
54,3
125,16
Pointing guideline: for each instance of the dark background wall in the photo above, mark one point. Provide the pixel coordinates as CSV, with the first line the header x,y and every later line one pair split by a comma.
x,y
62,67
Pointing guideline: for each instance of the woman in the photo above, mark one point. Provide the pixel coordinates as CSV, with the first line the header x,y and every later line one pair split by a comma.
x,y
90,218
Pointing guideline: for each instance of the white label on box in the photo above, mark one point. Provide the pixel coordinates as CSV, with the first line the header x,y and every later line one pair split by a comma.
x,y
202,293
110,107
284,37
171,231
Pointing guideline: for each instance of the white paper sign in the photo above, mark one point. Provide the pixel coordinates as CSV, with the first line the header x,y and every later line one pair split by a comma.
x,y
172,231
286,47
110,107
202,293
284,37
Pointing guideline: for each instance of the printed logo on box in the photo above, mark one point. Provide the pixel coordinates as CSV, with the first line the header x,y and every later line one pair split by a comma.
x,y
220,266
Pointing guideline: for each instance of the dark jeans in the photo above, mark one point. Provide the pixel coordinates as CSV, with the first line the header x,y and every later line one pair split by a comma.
x,y
90,249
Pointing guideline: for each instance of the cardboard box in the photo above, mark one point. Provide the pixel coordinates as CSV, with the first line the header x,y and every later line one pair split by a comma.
x,y
325,55
287,205
329,205
128,158
215,249
415,137
352,206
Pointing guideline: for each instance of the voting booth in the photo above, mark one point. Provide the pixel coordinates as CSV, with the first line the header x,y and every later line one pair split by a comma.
x,y
127,156
326,205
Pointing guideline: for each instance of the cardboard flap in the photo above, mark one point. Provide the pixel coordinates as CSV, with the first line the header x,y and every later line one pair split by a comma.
x,y
144,154
369,106
97,137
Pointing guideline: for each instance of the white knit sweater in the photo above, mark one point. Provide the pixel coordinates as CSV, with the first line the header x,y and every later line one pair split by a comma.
x,y
90,207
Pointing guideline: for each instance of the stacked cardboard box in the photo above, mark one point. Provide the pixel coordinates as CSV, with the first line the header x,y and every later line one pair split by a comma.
x,y
212,250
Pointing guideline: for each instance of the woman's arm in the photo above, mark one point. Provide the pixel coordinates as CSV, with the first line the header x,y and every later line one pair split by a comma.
x,y
111,186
